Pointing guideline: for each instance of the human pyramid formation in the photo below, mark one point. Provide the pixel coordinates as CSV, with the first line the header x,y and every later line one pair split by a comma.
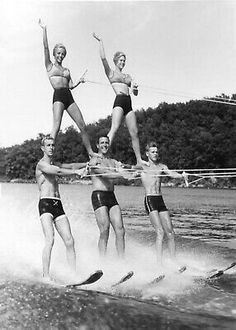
x,y
102,169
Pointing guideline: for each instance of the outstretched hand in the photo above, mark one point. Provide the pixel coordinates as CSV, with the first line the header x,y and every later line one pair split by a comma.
x,y
95,160
83,172
41,24
96,37
79,172
81,80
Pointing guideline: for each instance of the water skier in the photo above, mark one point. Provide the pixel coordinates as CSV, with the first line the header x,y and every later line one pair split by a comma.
x,y
153,201
122,108
62,83
106,208
50,206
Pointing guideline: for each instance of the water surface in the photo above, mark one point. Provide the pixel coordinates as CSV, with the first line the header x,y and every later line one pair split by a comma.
x,y
204,222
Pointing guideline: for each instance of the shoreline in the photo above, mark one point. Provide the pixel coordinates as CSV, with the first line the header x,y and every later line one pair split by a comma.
x,y
122,183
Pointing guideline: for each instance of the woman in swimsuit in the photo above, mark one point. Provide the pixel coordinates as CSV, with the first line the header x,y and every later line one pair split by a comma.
x,y
61,82
121,83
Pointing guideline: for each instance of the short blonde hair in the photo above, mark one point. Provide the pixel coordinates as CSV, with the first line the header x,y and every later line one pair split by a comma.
x,y
58,46
46,137
117,55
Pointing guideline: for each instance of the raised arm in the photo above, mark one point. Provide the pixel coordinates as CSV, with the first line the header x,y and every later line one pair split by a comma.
x,y
102,55
47,60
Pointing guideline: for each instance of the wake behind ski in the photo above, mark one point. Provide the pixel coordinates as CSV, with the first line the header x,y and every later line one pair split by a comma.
x,y
91,279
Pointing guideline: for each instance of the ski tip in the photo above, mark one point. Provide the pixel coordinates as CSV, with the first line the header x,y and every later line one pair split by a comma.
x,y
99,272
94,277
131,273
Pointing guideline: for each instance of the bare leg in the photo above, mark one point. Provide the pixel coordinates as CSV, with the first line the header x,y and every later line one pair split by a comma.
x,y
76,115
48,230
118,226
133,131
169,231
156,222
57,109
63,227
103,223
117,117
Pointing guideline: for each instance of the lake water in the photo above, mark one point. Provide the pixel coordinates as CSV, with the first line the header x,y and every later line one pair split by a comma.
x,y
204,221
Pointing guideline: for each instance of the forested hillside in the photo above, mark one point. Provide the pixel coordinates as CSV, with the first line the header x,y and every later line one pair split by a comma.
x,y
197,134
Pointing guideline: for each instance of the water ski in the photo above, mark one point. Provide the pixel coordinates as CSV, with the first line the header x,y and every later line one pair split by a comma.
x,y
91,279
124,279
182,269
221,272
161,277
155,281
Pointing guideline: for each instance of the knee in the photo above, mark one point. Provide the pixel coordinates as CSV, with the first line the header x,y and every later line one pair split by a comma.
x,y
170,234
120,232
82,127
104,232
160,233
56,123
49,242
69,242
133,132
114,127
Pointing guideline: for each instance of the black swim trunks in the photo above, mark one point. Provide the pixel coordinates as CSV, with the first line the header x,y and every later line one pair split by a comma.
x,y
52,206
103,198
64,96
123,101
154,203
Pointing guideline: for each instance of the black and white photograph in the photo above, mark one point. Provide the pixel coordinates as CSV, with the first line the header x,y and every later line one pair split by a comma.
x,y
118,165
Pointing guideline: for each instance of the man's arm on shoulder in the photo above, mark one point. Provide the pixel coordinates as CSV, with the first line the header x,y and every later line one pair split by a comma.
x,y
55,170
97,167
75,166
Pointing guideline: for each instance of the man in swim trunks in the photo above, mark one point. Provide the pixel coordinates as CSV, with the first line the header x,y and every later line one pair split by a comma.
x,y
153,201
107,210
50,206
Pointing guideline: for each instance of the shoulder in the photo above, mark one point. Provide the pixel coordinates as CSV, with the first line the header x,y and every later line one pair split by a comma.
x,y
39,165
43,165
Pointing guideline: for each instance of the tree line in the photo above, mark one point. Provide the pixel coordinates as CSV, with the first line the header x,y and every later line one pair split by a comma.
x,y
193,135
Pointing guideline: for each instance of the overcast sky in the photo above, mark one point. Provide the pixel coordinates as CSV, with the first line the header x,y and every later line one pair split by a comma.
x,y
184,46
